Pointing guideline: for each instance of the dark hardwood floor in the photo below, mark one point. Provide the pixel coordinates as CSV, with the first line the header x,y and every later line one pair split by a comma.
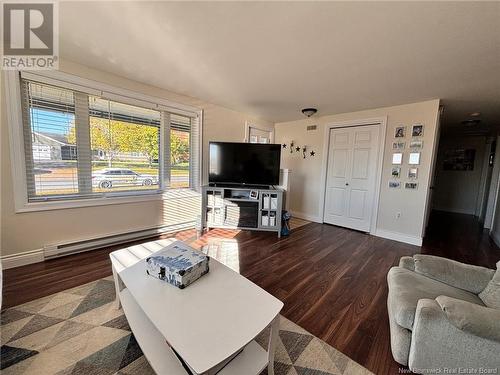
x,y
331,280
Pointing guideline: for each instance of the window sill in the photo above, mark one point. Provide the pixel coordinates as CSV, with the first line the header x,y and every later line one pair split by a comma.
x,y
105,201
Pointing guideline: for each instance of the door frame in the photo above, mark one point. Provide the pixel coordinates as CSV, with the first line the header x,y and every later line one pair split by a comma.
x,y
382,127
249,126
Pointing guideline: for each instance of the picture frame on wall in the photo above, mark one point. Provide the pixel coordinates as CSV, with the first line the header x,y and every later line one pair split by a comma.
x,y
398,145
413,173
459,159
417,145
396,172
399,132
394,184
414,158
397,158
417,130
411,185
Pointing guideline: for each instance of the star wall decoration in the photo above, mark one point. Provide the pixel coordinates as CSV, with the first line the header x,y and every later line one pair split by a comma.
x,y
305,150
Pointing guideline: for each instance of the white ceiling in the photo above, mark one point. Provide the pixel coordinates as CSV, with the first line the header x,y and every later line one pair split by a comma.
x,y
272,59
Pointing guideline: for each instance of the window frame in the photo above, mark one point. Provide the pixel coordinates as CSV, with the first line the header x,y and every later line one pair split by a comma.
x,y
12,81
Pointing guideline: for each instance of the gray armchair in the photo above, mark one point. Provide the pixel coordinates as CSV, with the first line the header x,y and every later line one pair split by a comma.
x,y
444,314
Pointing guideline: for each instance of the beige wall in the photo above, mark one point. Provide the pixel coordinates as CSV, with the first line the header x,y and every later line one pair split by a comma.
x,y
30,231
458,191
306,175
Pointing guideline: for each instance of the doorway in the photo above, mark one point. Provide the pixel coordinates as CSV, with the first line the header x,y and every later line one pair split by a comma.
x,y
463,174
351,179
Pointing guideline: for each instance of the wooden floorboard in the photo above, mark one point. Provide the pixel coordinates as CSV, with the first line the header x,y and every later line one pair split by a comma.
x,y
332,280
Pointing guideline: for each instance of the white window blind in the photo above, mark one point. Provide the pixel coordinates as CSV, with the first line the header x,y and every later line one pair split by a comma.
x,y
50,154
85,146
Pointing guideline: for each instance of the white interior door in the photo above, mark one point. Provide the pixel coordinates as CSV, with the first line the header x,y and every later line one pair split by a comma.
x,y
351,176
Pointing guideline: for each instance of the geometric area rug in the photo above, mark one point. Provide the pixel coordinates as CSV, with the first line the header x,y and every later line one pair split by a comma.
x,y
79,331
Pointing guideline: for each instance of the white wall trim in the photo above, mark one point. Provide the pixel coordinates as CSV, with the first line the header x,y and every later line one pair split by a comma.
x,y
166,195
382,123
400,237
22,259
16,137
89,202
432,173
309,217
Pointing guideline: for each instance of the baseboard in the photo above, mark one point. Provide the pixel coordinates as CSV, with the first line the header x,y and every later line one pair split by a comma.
x,y
400,237
304,216
455,211
50,251
22,259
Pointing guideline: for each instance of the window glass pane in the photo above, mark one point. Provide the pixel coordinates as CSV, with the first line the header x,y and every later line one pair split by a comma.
x,y
53,141
259,135
179,151
125,146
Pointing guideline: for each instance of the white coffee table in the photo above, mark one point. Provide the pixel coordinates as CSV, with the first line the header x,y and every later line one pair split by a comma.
x,y
206,323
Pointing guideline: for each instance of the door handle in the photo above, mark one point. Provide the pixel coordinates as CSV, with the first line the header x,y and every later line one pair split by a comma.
x,y
346,184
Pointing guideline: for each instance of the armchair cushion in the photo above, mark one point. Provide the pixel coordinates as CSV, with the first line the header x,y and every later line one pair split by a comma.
x,y
407,262
460,275
406,288
469,317
491,294
436,344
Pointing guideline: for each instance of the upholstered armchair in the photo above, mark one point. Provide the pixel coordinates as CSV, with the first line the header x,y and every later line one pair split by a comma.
x,y
444,314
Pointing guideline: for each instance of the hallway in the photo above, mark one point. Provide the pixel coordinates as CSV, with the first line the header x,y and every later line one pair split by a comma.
x,y
460,237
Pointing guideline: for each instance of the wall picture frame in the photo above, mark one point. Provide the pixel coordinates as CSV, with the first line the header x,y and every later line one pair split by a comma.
x,y
413,173
394,184
414,158
398,145
417,145
459,159
400,131
417,130
396,172
411,185
397,158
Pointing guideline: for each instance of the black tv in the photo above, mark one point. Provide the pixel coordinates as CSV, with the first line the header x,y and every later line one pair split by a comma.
x,y
244,163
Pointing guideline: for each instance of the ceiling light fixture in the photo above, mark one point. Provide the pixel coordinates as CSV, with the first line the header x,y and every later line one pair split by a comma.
x,y
309,111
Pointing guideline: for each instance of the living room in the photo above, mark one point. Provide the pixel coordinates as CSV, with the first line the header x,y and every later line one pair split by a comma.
x,y
333,165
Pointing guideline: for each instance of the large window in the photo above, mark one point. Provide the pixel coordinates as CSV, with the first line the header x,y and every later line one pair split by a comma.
x,y
81,145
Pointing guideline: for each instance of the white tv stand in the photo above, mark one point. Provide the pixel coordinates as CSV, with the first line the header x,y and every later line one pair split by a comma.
x,y
234,207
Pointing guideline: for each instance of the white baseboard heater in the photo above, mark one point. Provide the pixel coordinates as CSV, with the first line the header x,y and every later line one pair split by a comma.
x,y
73,247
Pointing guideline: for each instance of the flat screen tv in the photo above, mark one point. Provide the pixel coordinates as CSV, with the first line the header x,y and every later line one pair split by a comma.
x,y
244,163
